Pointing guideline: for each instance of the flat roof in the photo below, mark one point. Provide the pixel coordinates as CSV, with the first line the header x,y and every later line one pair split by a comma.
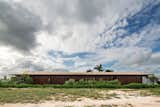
x,y
82,73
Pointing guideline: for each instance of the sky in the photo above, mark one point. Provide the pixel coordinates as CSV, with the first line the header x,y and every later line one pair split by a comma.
x,y
76,35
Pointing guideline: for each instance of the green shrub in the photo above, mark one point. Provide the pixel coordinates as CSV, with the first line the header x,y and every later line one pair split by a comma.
x,y
139,85
13,79
70,81
28,79
91,84
130,86
115,82
72,84
24,79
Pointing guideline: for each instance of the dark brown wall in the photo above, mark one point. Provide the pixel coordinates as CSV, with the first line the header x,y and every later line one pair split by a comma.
x,y
60,79
40,79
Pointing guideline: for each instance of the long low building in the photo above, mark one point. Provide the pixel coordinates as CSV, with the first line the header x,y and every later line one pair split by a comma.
x,y
61,77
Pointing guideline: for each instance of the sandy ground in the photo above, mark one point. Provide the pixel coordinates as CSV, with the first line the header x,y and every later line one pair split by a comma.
x,y
124,99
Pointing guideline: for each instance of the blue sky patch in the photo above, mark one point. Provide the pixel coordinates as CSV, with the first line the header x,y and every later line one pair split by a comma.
x,y
62,54
68,62
149,15
108,65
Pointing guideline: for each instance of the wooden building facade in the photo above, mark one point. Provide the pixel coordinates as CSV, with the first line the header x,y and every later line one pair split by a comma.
x,y
61,77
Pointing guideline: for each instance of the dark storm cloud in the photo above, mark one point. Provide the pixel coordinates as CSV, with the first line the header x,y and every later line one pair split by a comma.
x,y
18,26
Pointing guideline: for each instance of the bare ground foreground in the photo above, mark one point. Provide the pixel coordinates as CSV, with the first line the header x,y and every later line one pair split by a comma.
x,y
106,98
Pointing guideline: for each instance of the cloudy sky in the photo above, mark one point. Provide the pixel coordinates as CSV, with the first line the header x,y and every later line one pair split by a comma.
x,y
75,35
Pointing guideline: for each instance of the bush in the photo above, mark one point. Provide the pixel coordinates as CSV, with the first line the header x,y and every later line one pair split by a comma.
x,y
70,81
116,82
139,85
7,81
72,84
91,84
28,79
24,79
16,82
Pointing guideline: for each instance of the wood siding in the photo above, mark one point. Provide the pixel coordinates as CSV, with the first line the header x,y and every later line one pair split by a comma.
x,y
60,79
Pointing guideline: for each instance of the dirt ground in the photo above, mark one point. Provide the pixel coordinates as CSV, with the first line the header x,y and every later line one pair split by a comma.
x,y
123,99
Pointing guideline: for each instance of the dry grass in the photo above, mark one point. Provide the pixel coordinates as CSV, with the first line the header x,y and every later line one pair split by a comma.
x,y
35,95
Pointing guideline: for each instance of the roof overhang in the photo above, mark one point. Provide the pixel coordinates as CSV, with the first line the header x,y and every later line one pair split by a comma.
x,y
84,73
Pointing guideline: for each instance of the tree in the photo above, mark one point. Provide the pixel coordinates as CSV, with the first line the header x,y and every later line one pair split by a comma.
x,y
109,70
89,70
26,79
153,79
99,68
5,78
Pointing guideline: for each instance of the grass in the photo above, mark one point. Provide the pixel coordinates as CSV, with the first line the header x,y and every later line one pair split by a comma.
x,y
155,91
10,95
36,95
150,92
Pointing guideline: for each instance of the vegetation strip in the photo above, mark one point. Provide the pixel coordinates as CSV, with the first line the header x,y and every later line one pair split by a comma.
x,y
26,82
35,95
